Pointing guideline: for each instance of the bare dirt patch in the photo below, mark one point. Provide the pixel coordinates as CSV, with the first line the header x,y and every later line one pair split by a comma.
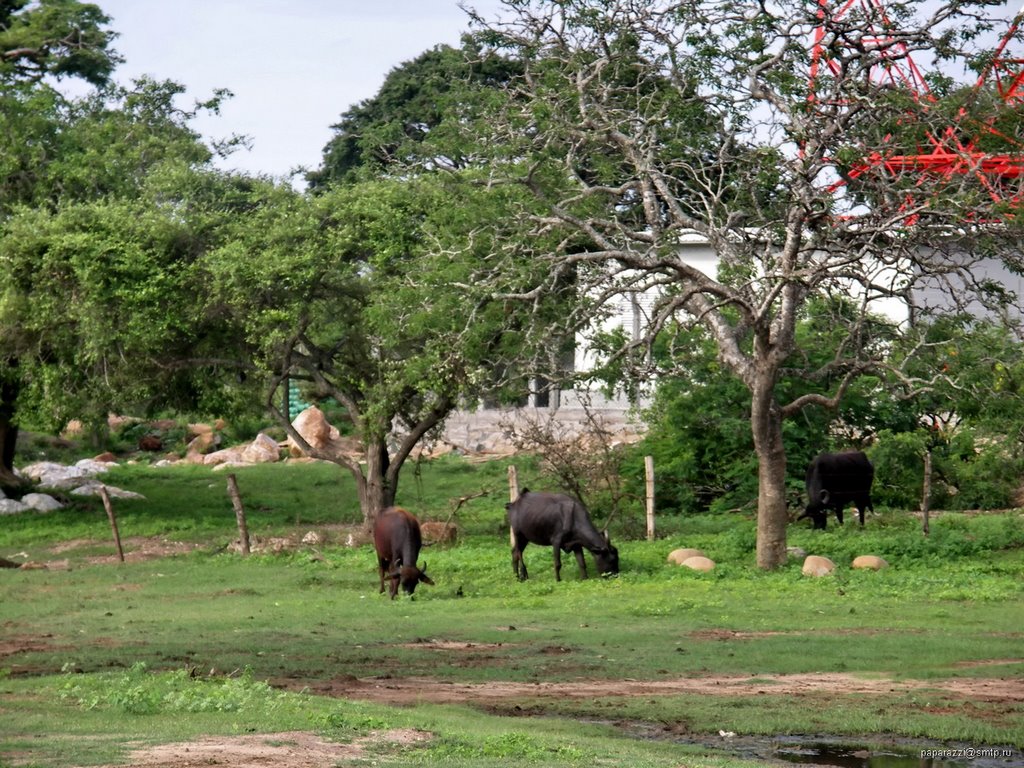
x,y
293,749
410,690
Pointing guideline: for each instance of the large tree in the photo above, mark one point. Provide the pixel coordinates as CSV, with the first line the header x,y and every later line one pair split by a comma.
x,y
38,41
98,306
387,131
369,295
634,124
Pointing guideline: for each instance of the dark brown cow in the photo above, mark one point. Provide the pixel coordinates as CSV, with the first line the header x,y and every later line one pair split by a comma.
x,y
564,523
397,539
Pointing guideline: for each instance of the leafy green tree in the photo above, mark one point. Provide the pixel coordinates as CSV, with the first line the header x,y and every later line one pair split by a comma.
x,y
54,38
634,124
96,248
417,98
963,391
369,293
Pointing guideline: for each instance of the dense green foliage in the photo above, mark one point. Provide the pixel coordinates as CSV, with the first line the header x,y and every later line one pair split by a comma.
x,y
418,101
964,406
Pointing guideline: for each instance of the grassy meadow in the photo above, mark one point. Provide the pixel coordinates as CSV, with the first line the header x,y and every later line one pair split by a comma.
x,y
98,657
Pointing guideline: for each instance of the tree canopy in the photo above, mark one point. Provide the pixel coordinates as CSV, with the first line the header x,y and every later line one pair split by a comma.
x,y
54,38
634,124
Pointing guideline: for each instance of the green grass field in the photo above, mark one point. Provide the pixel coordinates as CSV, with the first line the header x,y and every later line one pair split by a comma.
x,y
99,658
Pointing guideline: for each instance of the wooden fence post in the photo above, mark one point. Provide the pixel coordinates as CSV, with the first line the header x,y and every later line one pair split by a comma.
x,y
236,502
649,474
113,521
513,494
926,494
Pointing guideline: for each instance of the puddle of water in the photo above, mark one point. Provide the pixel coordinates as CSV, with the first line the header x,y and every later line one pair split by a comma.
x,y
848,756
819,751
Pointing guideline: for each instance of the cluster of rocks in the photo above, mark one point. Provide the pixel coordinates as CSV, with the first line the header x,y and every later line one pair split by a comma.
x,y
311,424
814,565
79,479
693,559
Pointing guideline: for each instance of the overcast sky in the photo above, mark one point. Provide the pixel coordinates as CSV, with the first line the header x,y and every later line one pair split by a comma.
x,y
293,65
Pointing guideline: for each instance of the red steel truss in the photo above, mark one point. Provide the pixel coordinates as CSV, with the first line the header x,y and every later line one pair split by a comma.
x,y
955,150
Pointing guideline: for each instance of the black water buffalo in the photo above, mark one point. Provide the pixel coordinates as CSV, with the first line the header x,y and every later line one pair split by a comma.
x,y
835,480
397,539
564,523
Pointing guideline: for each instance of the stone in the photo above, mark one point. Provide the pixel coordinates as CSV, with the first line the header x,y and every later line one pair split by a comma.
x,y
815,565
12,507
262,450
797,553
41,502
439,533
312,538
313,426
93,489
225,455
199,446
872,562
677,556
699,563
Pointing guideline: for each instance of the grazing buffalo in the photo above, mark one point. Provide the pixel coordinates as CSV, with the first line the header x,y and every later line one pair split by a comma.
x,y
835,480
564,523
396,537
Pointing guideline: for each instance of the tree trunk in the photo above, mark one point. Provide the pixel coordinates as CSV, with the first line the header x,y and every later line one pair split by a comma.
x,y
376,492
8,434
772,513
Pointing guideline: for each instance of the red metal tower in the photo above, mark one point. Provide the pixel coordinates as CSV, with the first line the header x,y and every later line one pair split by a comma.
x,y
956,150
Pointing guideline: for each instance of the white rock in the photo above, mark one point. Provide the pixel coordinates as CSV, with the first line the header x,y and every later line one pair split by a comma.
x,y
93,489
92,467
12,507
41,502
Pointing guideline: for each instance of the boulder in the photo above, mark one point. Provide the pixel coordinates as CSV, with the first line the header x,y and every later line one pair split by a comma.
x,y
872,562
199,446
313,427
225,455
59,477
438,533
262,450
41,502
797,553
815,565
678,556
699,563
12,507
93,489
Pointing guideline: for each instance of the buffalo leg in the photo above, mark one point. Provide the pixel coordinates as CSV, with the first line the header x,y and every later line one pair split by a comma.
x,y
382,567
839,515
582,561
518,564
557,557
